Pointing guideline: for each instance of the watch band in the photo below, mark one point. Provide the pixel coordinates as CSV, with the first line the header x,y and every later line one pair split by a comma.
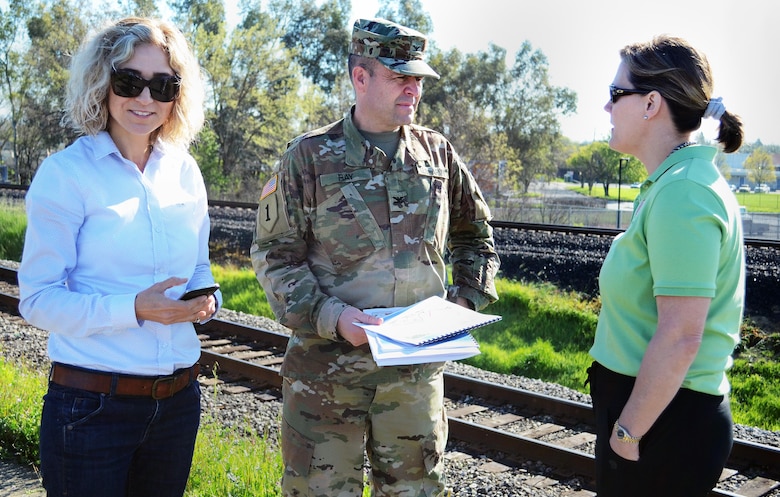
x,y
624,436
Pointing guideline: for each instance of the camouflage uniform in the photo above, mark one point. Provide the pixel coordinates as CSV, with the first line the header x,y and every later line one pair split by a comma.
x,y
341,224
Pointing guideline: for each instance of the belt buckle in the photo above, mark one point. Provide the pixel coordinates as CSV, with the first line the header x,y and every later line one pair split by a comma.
x,y
159,381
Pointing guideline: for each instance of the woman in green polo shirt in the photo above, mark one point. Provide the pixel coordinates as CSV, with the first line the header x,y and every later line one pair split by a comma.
x,y
672,285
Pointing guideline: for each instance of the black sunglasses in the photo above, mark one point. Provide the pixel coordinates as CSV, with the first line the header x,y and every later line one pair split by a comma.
x,y
130,85
615,93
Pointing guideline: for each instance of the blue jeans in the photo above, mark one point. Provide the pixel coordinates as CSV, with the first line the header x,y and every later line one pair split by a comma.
x,y
100,445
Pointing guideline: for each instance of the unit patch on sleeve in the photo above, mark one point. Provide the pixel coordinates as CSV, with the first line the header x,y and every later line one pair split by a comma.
x,y
272,212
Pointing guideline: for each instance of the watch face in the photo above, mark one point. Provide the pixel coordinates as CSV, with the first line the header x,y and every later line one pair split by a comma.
x,y
621,434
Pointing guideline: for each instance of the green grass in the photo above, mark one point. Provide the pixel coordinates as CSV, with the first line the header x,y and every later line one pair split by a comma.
x,y
760,202
755,395
241,291
755,202
627,194
544,334
13,223
237,466
21,399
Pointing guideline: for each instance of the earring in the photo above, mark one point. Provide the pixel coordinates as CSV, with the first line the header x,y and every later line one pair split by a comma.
x,y
644,117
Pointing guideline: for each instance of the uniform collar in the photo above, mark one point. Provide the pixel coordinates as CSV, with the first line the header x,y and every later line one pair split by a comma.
x,y
359,149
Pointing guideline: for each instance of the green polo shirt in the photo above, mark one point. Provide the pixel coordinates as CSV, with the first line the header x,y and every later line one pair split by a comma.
x,y
685,239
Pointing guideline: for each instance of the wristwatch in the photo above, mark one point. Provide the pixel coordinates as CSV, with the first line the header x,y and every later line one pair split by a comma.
x,y
624,436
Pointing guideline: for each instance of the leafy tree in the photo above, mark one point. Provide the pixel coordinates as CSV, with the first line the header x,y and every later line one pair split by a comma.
x,y
11,39
529,108
36,45
597,163
481,95
408,13
254,100
759,167
143,8
317,37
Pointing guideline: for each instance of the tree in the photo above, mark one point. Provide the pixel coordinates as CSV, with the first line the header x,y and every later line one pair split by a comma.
x,y
11,33
759,167
409,13
529,110
481,95
586,163
597,163
316,37
254,102
36,46
459,105
54,33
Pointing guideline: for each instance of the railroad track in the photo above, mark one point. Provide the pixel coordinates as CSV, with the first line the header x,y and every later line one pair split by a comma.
x,y
483,416
585,230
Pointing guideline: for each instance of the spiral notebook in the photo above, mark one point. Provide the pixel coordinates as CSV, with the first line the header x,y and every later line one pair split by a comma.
x,y
387,352
429,321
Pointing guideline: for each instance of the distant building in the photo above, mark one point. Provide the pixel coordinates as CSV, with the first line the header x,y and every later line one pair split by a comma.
x,y
739,175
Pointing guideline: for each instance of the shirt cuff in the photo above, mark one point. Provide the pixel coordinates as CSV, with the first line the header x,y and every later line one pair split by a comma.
x,y
121,309
328,318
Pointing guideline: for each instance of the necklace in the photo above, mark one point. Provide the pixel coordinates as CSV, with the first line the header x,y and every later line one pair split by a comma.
x,y
681,146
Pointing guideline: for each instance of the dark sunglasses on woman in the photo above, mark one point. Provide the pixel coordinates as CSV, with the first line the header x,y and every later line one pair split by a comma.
x,y
615,93
129,85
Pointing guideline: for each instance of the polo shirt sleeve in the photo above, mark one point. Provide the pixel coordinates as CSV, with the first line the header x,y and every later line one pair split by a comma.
x,y
684,234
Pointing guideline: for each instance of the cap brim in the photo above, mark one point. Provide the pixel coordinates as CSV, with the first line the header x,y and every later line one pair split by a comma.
x,y
409,67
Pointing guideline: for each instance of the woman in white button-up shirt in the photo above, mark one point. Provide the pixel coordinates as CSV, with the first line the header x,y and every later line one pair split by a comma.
x,y
117,231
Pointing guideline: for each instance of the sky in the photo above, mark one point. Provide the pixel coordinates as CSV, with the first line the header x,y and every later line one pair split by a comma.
x,y
581,40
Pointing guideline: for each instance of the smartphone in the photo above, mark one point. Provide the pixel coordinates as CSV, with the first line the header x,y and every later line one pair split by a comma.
x,y
200,291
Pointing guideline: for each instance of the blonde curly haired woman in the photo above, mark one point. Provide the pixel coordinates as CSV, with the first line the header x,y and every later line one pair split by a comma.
x,y
117,231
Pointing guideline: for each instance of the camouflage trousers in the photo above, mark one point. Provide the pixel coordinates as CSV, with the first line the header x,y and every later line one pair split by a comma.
x,y
329,430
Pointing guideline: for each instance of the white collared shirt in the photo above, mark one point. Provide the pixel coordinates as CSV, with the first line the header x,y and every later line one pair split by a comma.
x,y
99,231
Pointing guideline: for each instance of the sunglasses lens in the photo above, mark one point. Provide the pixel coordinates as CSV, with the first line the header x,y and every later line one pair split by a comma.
x,y
613,94
128,85
165,88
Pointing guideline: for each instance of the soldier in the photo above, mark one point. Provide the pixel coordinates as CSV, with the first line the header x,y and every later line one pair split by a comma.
x,y
359,214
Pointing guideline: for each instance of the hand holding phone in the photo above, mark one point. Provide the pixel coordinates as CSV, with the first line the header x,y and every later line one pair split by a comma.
x,y
209,290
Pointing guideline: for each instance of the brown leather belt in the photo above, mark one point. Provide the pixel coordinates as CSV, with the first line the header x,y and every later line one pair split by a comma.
x,y
156,387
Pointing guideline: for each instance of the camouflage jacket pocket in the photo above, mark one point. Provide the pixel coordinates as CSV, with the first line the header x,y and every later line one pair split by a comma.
x,y
437,212
346,229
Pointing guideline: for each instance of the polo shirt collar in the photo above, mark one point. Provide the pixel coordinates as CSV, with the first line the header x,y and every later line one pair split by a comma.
x,y
675,160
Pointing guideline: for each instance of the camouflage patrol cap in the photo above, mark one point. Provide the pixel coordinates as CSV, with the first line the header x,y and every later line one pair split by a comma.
x,y
397,47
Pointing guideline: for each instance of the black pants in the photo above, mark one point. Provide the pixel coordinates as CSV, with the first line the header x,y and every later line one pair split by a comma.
x,y
682,455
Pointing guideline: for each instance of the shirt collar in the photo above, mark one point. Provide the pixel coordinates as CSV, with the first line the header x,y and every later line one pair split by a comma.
x,y
676,158
105,146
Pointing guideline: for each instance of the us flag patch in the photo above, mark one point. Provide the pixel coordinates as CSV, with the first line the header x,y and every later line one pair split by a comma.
x,y
269,187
